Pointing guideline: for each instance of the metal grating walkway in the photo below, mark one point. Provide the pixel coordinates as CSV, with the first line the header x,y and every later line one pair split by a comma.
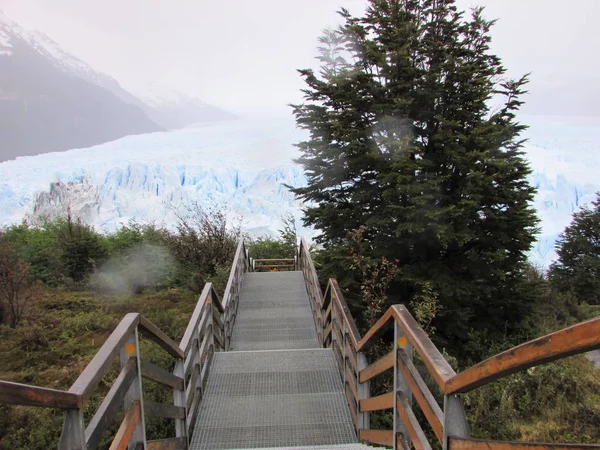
x,y
274,313
282,390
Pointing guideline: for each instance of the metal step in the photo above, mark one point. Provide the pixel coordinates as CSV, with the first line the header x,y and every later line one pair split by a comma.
x,y
274,313
273,399
324,447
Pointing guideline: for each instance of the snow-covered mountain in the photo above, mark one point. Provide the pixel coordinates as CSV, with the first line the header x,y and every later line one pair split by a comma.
x,y
245,164
51,100
174,109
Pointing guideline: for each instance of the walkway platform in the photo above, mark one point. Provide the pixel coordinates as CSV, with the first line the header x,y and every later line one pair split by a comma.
x,y
276,388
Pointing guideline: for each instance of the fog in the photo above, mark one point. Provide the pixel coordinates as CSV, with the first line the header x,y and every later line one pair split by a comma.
x,y
243,55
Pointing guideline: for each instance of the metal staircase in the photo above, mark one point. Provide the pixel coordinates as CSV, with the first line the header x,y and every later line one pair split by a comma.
x,y
277,387
278,364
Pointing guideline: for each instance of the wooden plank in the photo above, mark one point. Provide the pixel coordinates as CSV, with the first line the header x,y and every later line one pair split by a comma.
x,y
190,331
313,278
280,266
132,417
161,376
190,390
379,437
327,314
192,412
153,409
156,335
206,343
105,413
206,367
217,319
328,331
381,365
414,430
338,339
219,340
337,348
350,379
190,358
179,443
23,394
379,403
95,370
579,338
351,356
351,405
424,397
436,364
347,316
215,300
455,443
274,260
233,276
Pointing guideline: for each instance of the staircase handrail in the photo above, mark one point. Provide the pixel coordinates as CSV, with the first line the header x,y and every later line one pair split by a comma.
x,y
208,331
241,264
337,330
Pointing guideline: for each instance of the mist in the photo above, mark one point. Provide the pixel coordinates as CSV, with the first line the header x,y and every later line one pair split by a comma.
x,y
134,270
243,56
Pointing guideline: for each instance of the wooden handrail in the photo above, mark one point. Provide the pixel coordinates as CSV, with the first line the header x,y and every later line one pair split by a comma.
x,y
455,443
209,330
579,338
110,405
352,329
97,367
274,260
196,316
25,395
239,254
153,333
337,329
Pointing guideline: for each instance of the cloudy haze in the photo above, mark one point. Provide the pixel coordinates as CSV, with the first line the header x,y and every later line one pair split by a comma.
x,y
242,54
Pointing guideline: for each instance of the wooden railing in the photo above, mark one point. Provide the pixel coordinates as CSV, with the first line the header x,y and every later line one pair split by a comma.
x,y
209,330
231,297
273,265
337,330
313,288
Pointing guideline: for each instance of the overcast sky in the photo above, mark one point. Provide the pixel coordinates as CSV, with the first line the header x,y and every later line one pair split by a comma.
x,y
242,54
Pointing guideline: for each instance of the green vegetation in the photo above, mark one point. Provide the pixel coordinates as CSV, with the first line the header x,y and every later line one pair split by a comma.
x,y
60,335
577,270
64,287
284,246
404,144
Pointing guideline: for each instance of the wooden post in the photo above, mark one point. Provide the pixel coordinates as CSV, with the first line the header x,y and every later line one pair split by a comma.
x,y
344,355
211,322
455,420
73,432
131,349
400,384
179,400
364,391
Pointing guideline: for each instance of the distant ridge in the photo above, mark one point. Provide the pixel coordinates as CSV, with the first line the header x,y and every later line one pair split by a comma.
x,y
51,100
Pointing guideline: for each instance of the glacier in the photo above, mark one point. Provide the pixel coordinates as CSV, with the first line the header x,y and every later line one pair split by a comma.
x,y
242,165
245,164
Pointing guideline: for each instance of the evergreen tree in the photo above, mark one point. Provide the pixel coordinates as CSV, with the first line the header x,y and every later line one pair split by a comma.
x,y
578,267
404,142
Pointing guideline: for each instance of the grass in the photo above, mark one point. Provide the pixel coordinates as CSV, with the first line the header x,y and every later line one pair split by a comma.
x,y
60,336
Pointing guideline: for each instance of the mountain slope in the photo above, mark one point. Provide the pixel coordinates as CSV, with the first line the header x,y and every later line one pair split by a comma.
x,y
172,109
47,104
